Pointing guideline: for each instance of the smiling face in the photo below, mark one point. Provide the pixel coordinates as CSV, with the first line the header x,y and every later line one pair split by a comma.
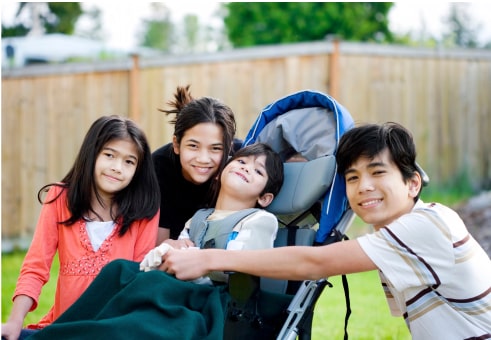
x,y
115,166
245,179
376,190
200,152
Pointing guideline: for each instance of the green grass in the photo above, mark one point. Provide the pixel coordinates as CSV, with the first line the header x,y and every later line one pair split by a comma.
x,y
11,264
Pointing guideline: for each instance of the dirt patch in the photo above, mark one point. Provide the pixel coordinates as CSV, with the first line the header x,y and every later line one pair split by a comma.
x,y
476,214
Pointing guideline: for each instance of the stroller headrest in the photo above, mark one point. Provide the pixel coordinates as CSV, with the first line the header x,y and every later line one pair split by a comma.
x,y
304,184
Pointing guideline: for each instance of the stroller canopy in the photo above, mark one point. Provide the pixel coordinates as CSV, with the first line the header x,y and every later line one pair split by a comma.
x,y
307,124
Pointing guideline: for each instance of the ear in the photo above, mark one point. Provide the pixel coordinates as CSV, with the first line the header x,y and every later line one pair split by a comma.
x,y
265,199
175,145
415,183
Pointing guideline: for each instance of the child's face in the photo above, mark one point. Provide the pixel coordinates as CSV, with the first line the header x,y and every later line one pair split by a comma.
x,y
200,152
115,166
245,176
376,190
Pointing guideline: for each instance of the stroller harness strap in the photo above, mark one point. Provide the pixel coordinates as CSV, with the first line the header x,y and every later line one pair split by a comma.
x,y
215,234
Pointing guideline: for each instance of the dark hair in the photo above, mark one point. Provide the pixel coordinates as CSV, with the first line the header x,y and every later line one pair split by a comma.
x,y
274,169
140,199
274,165
190,112
371,139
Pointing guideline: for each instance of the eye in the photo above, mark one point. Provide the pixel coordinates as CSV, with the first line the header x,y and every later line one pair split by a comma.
x,y
108,154
131,162
379,172
217,148
259,172
351,178
240,160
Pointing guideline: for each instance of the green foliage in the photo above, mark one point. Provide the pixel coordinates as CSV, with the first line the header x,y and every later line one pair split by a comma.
x,y
65,17
61,18
462,31
259,23
158,31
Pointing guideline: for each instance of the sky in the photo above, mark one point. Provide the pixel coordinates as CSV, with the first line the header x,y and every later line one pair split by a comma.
x,y
122,20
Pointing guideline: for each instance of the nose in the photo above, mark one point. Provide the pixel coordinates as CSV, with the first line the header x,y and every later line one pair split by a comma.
x,y
245,167
116,166
365,184
203,156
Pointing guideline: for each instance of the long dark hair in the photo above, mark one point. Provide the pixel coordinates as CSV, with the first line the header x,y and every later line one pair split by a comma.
x,y
139,200
190,112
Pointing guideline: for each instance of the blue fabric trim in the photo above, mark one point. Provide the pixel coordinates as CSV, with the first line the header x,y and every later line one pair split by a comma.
x,y
335,202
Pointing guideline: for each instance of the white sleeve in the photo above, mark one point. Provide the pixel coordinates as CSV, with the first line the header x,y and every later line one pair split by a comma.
x,y
185,231
256,231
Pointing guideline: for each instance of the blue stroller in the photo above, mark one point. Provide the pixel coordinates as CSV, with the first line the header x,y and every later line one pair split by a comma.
x,y
312,209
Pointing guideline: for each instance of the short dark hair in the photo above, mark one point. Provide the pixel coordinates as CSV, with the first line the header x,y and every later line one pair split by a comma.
x,y
370,139
274,165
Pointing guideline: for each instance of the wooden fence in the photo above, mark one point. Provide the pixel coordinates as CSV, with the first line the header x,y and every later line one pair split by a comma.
x,y
442,96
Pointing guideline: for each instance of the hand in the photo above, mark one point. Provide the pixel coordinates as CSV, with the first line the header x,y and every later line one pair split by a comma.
x,y
186,264
154,257
11,330
180,243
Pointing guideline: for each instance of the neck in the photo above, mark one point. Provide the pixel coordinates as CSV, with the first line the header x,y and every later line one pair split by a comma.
x,y
225,202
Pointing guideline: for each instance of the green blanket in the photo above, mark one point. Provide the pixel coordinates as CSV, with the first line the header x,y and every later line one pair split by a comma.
x,y
124,303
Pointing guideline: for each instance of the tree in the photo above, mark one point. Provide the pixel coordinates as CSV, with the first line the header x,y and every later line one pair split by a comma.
x,y
462,30
45,17
258,23
92,18
158,30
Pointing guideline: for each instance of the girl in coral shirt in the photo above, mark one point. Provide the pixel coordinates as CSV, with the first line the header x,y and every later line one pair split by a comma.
x,y
105,208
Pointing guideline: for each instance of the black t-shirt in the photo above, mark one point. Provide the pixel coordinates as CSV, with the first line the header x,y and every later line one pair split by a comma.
x,y
180,199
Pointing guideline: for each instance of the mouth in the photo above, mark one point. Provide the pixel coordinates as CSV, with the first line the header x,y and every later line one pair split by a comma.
x,y
202,170
244,178
112,178
370,203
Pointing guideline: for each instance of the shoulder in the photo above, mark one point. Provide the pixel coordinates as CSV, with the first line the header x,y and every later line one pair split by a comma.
x,y
164,154
165,161
54,192
262,217
435,218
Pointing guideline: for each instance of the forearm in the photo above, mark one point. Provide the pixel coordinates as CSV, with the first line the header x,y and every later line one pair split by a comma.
x,y
292,263
21,306
295,263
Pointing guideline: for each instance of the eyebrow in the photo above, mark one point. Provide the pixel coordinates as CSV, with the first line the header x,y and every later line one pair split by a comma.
x,y
116,151
370,166
192,140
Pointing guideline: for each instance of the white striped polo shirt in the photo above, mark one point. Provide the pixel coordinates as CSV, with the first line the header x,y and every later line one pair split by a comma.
x,y
434,273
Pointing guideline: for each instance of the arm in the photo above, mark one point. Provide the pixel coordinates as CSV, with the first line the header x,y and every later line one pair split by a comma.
x,y
147,236
256,231
37,263
294,263
163,234
21,306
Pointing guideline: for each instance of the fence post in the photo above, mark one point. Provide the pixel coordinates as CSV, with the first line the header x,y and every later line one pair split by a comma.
x,y
134,94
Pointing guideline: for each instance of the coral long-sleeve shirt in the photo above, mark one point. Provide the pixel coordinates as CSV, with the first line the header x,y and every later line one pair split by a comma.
x,y
79,263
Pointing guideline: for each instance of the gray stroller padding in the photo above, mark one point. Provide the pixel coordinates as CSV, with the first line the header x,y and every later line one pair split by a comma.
x,y
304,183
